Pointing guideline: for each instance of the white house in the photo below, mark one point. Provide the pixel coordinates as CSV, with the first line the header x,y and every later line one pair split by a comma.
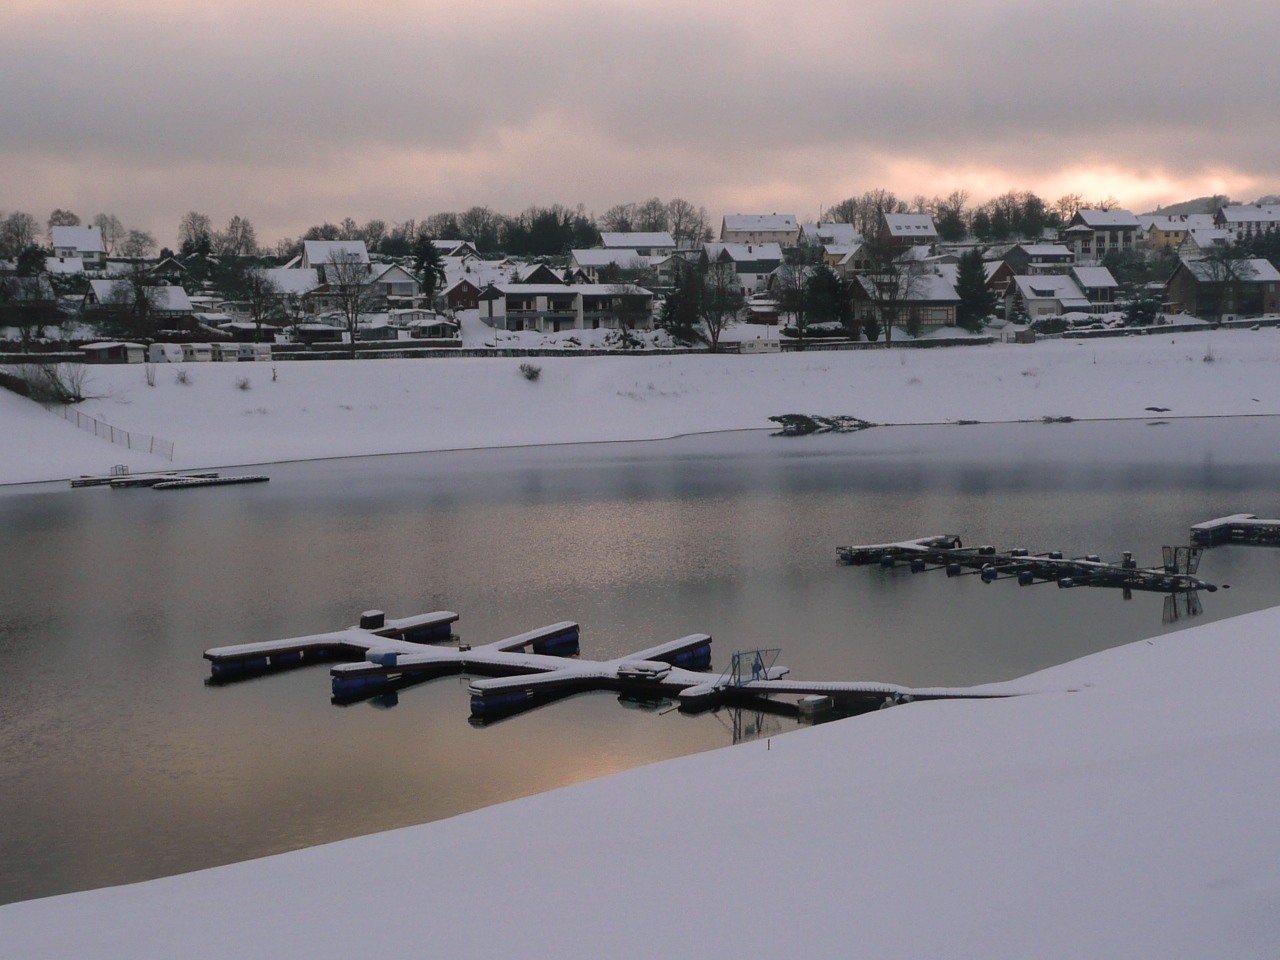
x,y
824,234
1092,234
778,228
1248,220
554,307
658,244
591,262
910,228
318,253
1048,295
752,262
83,243
1200,240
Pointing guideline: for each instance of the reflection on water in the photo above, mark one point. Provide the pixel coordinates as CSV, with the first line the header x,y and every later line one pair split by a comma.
x,y
117,763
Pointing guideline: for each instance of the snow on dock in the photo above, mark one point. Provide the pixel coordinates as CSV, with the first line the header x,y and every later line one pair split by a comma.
x,y
1175,575
387,654
1237,528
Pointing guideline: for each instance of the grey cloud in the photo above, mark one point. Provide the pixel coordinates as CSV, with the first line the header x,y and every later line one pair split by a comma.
x,y
1020,85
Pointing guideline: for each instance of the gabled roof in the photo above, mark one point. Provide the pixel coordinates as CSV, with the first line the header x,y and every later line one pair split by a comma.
x,y
743,252
293,280
319,252
83,239
830,233
1094,277
378,273
910,225
64,264
1105,219
612,257
759,222
929,287
629,241
1180,221
1206,237
1249,271
1049,287
1251,213
165,299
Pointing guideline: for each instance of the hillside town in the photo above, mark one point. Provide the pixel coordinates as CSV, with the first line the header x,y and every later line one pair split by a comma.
x,y
872,269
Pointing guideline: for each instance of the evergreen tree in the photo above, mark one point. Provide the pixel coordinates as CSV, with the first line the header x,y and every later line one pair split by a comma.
x,y
428,265
977,302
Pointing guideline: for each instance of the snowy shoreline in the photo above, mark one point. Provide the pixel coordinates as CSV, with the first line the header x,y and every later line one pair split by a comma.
x,y
332,409
1113,814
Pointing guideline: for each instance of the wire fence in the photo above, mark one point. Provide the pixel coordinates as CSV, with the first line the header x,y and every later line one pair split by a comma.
x,y
126,438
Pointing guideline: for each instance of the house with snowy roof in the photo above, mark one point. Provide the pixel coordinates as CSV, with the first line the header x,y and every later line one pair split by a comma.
x,y
1201,241
757,228
164,302
1166,232
1028,259
83,243
908,229
1092,234
822,234
1248,220
1215,288
556,307
752,262
591,262
1097,284
319,254
653,244
462,294
1046,295
926,299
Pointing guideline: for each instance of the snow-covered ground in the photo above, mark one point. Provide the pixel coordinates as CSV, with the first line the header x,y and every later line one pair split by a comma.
x,y
339,408
1128,809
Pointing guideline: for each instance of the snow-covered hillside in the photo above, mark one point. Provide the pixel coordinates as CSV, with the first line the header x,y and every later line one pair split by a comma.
x,y
338,408
1128,810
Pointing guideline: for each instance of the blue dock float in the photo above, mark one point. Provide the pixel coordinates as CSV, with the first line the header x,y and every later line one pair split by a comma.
x,y
374,631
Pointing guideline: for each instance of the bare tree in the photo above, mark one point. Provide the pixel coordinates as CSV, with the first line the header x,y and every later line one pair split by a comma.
x,y
630,308
263,297
240,239
131,302
60,218
619,219
651,216
112,230
138,244
373,233
195,230
887,283
689,225
17,232
348,280
722,301
1068,205
793,298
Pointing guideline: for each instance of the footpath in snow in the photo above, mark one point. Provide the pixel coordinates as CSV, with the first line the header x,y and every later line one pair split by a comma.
x,y
342,408
1128,810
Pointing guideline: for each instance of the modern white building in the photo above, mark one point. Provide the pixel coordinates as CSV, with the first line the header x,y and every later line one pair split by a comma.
x,y
82,243
780,228
555,307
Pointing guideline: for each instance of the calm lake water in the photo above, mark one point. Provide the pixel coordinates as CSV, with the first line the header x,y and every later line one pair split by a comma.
x,y
118,763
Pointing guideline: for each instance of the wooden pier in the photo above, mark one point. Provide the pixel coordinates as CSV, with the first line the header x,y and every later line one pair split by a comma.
x,y
120,481
945,552
540,666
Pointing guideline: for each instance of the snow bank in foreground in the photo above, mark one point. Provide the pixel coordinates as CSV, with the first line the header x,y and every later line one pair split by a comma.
x,y
341,407
1130,814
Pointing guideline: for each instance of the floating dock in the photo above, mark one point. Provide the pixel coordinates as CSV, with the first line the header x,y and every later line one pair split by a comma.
x,y
539,666
1237,528
122,480
945,552
186,483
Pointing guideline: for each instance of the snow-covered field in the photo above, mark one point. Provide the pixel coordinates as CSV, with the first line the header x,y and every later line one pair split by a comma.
x,y
342,408
1126,810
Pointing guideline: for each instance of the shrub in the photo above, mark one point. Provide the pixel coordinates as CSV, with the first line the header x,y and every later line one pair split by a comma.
x,y
243,383
530,372
182,377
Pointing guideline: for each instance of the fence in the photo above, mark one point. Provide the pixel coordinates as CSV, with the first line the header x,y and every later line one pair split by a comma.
x,y
134,441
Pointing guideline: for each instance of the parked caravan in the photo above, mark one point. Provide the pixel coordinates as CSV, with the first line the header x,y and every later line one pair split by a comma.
x,y
254,351
165,353
197,352
226,352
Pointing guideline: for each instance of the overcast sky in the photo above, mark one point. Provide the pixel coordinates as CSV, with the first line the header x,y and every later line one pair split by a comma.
x,y
291,113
